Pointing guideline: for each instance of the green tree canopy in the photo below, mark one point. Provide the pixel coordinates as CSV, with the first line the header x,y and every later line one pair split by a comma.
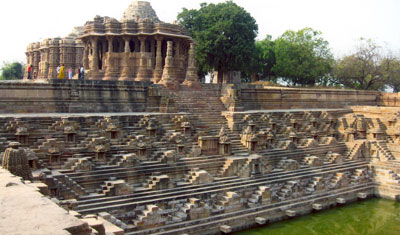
x,y
225,35
265,59
302,57
11,71
390,68
362,69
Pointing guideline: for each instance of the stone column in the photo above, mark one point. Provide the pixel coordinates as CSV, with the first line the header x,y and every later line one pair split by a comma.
x,y
53,58
142,74
177,50
168,78
86,56
35,64
158,68
142,44
191,78
110,46
137,49
125,69
95,57
152,47
152,57
108,61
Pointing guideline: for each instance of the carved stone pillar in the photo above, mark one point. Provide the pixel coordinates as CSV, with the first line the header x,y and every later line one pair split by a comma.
x,y
168,78
108,61
191,78
85,56
158,69
126,70
143,74
53,58
177,48
142,44
95,57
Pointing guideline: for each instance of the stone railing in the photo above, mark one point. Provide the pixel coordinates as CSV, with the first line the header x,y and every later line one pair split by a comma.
x,y
256,97
73,96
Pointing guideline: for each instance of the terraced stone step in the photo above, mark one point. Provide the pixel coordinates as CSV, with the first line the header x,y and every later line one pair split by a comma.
x,y
210,188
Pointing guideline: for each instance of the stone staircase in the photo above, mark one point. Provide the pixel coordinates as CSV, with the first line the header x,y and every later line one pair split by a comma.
x,y
206,108
261,196
287,190
383,151
317,183
337,180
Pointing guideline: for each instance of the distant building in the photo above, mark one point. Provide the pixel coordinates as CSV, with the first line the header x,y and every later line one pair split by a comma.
x,y
134,48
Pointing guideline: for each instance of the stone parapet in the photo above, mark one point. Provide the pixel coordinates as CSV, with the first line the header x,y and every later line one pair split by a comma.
x,y
256,97
77,96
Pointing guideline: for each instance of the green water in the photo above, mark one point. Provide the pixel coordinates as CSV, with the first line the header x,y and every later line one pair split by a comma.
x,y
374,216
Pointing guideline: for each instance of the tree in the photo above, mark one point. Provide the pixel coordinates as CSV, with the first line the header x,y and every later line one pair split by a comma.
x,y
302,57
390,68
225,35
265,59
362,69
11,71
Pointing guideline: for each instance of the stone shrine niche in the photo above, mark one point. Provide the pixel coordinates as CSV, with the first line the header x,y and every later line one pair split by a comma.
x,y
70,134
392,121
99,146
110,128
187,128
249,138
270,139
33,160
152,128
22,135
141,145
52,149
68,127
225,145
179,140
349,134
113,131
376,134
293,137
294,124
314,122
209,145
262,139
360,127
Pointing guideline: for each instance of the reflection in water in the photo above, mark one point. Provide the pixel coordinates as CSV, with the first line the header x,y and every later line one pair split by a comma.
x,y
374,216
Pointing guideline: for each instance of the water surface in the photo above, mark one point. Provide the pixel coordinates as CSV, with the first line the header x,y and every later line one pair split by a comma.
x,y
373,216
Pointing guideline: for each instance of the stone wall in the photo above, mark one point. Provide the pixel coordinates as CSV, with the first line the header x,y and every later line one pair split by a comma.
x,y
73,96
255,97
389,99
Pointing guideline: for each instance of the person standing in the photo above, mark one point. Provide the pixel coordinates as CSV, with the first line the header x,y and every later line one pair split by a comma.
x,y
70,73
82,72
61,74
58,70
29,71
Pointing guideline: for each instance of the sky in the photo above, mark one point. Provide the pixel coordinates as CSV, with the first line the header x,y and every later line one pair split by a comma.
x,y
342,22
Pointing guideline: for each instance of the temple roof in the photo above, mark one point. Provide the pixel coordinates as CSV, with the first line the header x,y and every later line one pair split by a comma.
x,y
140,10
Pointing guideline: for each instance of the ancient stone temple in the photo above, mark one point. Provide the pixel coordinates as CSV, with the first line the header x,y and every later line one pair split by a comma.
x,y
134,48
45,56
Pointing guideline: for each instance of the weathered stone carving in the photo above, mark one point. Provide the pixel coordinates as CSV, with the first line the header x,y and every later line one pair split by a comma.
x,y
16,161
